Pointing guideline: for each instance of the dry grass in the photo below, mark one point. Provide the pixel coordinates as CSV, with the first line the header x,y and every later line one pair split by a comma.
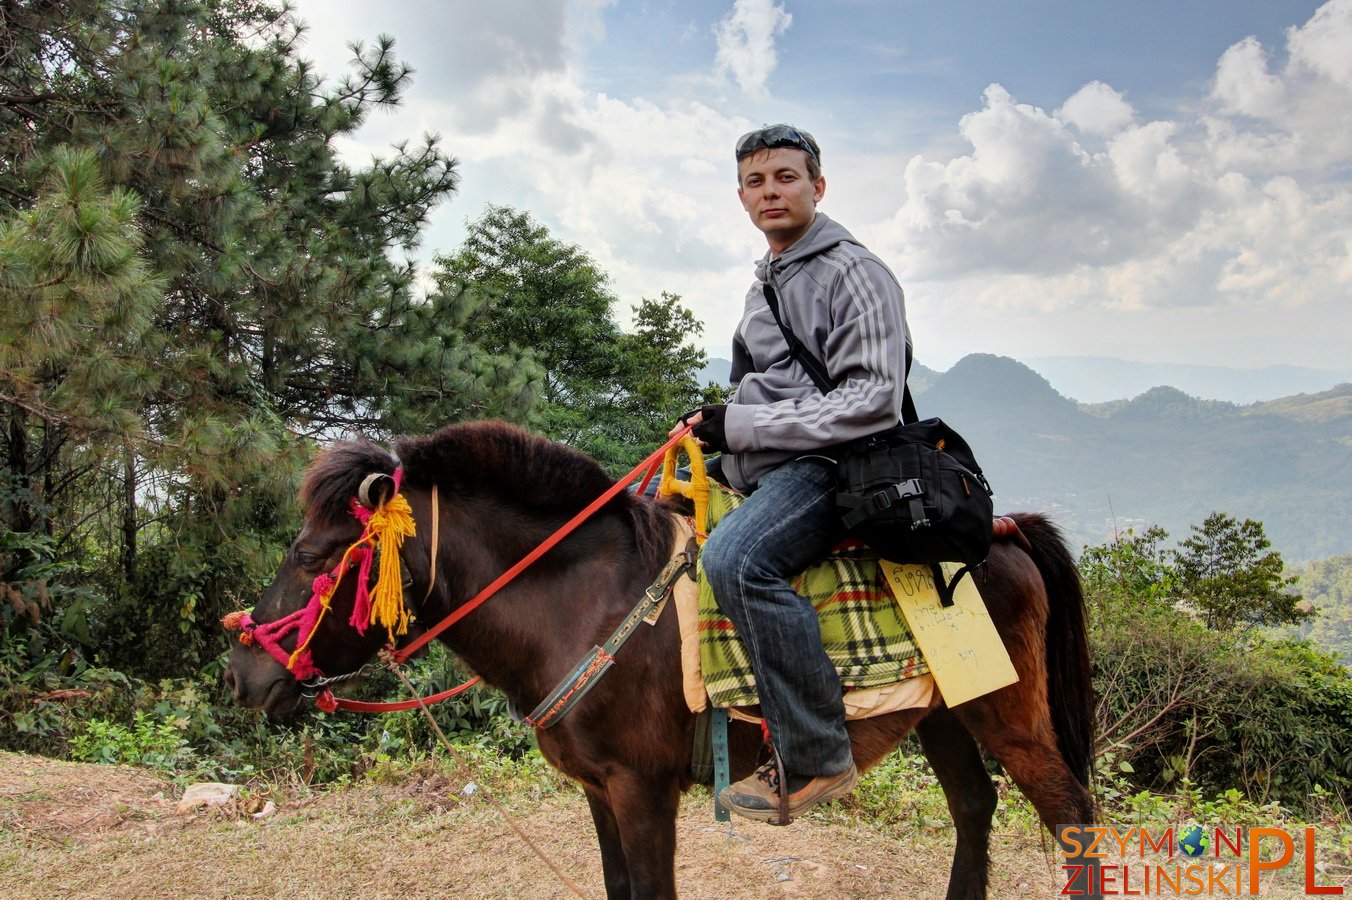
x,y
73,830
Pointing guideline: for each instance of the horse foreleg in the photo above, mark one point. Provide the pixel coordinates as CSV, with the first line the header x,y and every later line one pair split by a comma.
x,y
644,808
613,866
957,763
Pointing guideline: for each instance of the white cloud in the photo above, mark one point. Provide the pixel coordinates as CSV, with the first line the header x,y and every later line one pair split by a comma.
x,y
1294,119
1321,45
1231,209
746,43
1097,109
646,188
1039,223
484,55
1028,198
1243,84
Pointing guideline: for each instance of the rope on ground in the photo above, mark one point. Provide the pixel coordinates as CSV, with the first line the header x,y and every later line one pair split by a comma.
x,y
460,761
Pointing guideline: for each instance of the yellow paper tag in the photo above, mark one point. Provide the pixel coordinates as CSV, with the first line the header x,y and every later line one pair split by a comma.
x,y
960,643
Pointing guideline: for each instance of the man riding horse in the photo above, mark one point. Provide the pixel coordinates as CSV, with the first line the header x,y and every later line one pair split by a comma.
x,y
776,434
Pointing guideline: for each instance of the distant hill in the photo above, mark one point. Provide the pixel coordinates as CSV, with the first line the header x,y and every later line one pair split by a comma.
x,y
1097,379
1162,457
1333,407
716,370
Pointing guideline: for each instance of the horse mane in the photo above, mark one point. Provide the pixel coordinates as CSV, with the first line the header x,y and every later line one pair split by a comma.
x,y
491,457
332,480
487,458
529,472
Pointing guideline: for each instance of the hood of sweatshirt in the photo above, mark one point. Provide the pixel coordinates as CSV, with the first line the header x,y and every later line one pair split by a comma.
x,y
823,234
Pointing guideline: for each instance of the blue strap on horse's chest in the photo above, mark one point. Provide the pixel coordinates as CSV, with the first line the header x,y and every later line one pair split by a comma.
x,y
595,664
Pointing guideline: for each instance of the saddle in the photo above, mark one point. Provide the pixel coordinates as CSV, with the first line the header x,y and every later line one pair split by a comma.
x,y
863,632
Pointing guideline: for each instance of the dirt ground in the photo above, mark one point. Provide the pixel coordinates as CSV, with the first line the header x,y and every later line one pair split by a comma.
x,y
74,830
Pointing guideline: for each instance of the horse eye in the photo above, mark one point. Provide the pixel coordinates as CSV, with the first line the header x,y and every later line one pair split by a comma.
x,y
306,559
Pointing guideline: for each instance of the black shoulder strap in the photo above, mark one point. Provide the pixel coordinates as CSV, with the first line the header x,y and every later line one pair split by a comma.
x,y
817,372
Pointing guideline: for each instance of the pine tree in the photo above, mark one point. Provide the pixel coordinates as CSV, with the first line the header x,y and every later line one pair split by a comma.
x,y
194,288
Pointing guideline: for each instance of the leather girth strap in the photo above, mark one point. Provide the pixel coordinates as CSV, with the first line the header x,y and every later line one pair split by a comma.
x,y
585,675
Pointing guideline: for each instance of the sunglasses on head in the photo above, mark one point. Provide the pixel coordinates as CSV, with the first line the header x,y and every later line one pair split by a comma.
x,y
774,136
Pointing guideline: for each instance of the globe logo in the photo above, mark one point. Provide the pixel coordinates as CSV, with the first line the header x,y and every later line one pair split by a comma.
x,y
1193,841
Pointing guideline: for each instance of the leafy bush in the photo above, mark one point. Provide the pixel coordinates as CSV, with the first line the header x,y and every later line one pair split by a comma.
x,y
43,705
157,745
62,707
1182,704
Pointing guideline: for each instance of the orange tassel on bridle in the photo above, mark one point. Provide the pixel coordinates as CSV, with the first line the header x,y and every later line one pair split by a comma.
x,y
383,529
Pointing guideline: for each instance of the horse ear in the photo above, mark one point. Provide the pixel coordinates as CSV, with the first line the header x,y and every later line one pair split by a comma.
x,y
376,490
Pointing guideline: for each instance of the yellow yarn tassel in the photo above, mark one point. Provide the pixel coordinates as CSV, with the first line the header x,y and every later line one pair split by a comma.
x,y
389,525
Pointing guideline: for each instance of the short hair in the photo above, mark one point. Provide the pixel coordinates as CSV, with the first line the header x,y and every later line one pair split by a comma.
x,y
771,137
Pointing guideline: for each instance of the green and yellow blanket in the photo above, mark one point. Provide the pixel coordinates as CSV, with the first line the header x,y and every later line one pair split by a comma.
x,y
864,633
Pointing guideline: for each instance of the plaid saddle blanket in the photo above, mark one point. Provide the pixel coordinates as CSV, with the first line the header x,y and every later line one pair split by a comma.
x,y
863,631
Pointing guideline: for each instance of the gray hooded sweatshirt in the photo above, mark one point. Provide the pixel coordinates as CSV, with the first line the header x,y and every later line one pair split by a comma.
x,y
846,307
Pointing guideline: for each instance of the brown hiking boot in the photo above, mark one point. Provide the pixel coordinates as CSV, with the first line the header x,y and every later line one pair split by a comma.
x,y
758,795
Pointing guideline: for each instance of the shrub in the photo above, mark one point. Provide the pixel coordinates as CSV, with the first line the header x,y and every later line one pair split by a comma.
x,y
157,745
1178,702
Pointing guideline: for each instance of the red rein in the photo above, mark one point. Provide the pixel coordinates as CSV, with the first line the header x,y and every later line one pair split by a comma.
x,y
649,465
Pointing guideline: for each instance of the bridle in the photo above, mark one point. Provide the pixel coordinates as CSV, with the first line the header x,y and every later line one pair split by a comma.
x,y
384,528
383,599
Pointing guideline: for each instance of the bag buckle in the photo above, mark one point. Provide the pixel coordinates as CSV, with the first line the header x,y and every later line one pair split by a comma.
x,y
911,492
905,490
911,489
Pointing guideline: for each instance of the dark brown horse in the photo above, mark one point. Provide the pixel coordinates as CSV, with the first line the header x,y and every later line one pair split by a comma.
x,y
629,741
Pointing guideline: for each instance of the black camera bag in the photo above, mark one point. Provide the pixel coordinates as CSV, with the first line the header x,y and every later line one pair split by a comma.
x,y
913,492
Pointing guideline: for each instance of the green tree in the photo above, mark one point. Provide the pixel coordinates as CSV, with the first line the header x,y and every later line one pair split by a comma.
x,y
1179,701
1227,573
610,394
193,287
1327,585
1132,566
662,366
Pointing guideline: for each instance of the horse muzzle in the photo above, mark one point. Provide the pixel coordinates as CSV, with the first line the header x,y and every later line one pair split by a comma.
x,y
258,682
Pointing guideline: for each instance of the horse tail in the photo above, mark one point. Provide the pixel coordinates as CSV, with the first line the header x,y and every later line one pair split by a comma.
x,y
1070,674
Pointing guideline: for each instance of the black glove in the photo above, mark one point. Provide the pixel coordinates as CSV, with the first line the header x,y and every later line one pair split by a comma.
x,y
711,430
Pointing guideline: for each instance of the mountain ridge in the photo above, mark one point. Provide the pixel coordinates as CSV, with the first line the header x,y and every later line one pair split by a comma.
x,y
1162,456
1083,379
1099,379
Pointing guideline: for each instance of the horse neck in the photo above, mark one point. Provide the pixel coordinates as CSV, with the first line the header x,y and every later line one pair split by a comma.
x,y
536,628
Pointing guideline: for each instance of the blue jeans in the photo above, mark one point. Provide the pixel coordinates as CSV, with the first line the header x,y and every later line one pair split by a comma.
x,y
788,523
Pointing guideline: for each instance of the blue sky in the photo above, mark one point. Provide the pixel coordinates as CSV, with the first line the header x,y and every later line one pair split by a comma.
x,y
1155,181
